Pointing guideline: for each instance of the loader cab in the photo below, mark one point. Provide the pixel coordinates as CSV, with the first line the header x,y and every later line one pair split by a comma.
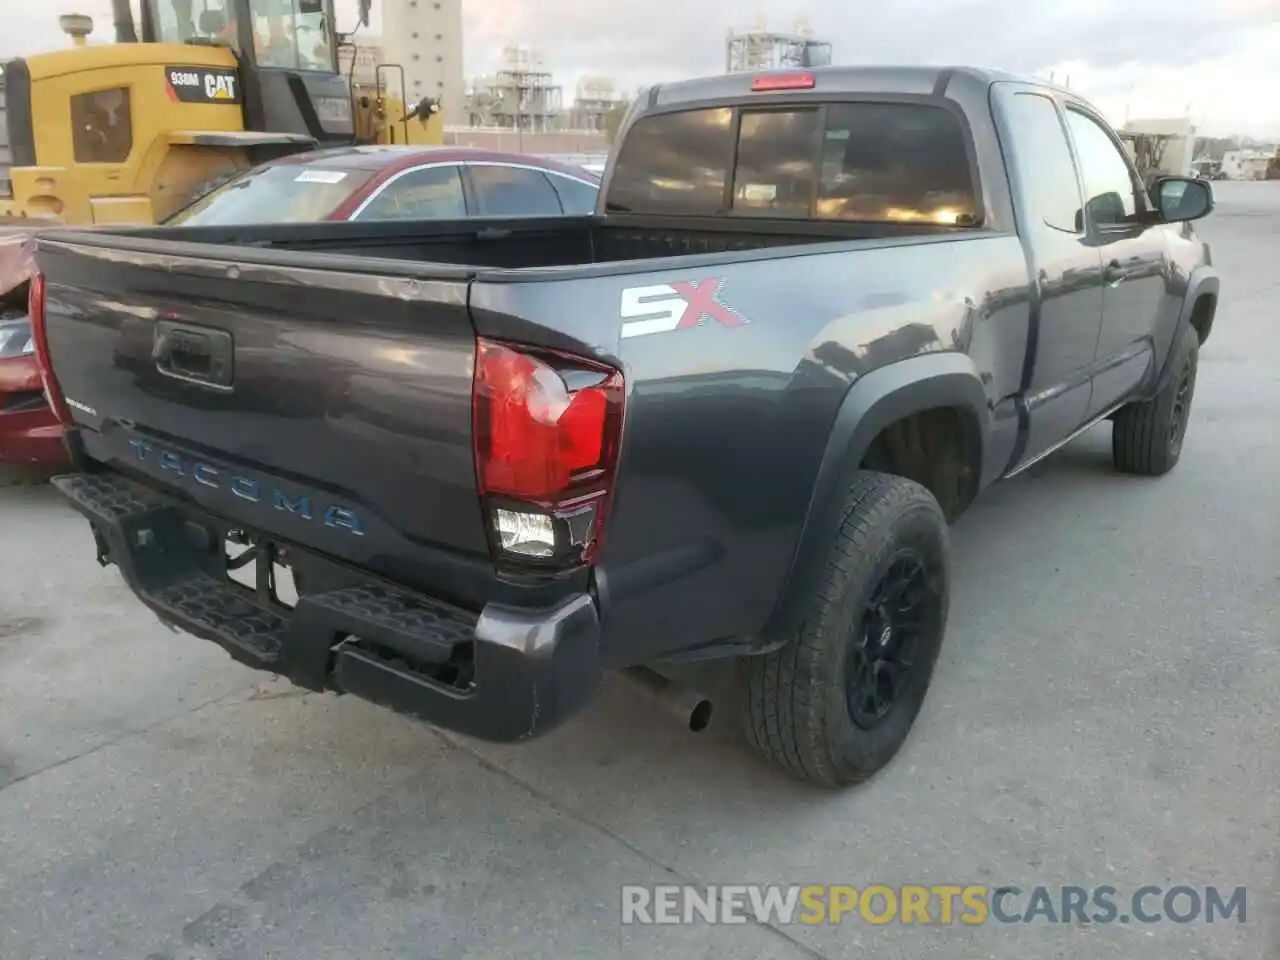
x,y
286,57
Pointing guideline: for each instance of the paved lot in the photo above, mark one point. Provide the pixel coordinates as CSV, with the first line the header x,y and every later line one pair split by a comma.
x,y
1107,711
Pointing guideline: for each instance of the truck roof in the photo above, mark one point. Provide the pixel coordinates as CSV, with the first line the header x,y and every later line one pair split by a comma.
x,y
909,80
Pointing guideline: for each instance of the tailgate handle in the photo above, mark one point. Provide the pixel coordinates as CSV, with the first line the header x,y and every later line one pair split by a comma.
x,y
195,354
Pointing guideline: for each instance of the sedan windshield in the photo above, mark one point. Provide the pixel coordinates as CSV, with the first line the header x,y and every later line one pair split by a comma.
x,y
289,193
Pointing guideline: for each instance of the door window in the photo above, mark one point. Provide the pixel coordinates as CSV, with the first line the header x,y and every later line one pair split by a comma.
x,y
1048,172
293,34
178,21
577,198
432,193
503,191
1111,197
102,126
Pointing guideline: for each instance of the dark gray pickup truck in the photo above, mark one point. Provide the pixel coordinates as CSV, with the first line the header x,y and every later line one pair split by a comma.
x,y
728,418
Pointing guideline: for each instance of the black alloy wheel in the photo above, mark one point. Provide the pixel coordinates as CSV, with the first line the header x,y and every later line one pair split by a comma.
x,y
885,640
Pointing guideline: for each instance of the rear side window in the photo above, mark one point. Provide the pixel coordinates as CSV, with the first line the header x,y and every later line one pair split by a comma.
x,y
895,162
432,193
870,162
504,191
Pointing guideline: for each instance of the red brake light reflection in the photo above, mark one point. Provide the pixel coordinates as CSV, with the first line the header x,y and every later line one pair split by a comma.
x,y
40,338
783,81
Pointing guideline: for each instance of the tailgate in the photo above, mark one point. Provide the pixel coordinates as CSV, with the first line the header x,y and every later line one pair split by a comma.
x,y
325,406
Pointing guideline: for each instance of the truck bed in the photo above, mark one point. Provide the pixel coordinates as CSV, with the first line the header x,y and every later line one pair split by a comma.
x,y
523,244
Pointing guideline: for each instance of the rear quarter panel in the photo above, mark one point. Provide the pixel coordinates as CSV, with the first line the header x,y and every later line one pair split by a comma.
x,y
726,424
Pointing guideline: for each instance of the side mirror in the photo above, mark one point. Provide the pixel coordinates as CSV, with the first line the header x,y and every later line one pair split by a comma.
x,y
1106,209
1179,199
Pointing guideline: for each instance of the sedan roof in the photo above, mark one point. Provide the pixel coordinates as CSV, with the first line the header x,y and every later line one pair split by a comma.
x,y
387,159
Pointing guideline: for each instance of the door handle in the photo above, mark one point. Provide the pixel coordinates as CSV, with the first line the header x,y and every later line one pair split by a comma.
x,y
1115,274
196,354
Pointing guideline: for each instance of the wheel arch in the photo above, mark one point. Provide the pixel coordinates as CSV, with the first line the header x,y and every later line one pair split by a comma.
x,y
1201,293
876,402
1201,303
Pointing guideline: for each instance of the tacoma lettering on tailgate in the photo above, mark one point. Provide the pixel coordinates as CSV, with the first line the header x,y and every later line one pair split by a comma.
x,y
244,487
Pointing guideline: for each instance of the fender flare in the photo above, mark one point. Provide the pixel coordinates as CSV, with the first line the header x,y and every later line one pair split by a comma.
x,y
1204,280
873,402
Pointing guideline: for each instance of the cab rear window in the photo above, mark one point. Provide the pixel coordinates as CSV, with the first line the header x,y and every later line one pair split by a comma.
x,y
867,162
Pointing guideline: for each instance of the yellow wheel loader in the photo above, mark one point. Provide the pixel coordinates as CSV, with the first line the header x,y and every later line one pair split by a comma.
x,y
132,131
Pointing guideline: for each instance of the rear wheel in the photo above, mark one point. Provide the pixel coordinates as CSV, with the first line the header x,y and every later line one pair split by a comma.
x,y
836,703
1147,437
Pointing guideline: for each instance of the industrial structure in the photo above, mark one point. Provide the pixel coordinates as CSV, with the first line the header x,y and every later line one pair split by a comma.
x,y
522,95
425,38
1160,146
595,99
761,49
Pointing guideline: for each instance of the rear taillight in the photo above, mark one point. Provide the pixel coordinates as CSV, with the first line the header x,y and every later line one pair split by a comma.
x,y
547,429
40,337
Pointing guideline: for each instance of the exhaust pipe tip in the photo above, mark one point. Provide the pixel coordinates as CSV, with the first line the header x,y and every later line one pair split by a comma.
x,y
691,708
700,716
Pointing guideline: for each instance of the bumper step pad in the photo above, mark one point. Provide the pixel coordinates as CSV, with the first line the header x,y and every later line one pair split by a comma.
x,y
526,670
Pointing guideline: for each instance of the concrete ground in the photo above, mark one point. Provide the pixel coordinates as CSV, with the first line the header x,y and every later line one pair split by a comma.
x,y
1106,711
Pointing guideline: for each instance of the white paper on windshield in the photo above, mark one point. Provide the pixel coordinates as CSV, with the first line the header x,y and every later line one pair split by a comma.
x,y
759,192
320,176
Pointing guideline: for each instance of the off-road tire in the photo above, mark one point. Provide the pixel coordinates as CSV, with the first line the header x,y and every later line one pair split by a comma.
x,y
1147,437
797,710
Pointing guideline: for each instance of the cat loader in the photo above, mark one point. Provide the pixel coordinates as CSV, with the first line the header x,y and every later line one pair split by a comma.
x,y
132,131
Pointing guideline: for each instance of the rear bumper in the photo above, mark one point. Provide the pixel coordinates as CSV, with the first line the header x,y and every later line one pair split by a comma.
x,y
506,674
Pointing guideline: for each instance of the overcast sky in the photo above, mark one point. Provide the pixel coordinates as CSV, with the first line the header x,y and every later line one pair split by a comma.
x,y
1219,59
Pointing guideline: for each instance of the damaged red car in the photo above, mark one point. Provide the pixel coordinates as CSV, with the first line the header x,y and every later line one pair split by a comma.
x,y
29,431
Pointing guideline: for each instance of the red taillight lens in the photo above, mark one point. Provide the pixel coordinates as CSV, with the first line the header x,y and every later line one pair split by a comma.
x,y
547,429
40,337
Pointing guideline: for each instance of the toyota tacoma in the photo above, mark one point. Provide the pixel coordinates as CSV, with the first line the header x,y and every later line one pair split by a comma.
x,y
728,417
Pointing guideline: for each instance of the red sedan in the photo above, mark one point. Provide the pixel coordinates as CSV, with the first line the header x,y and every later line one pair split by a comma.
x,y
396,182
29,433
345,183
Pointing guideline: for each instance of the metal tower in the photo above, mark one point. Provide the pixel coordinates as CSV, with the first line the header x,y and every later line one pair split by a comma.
x,y
761,49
